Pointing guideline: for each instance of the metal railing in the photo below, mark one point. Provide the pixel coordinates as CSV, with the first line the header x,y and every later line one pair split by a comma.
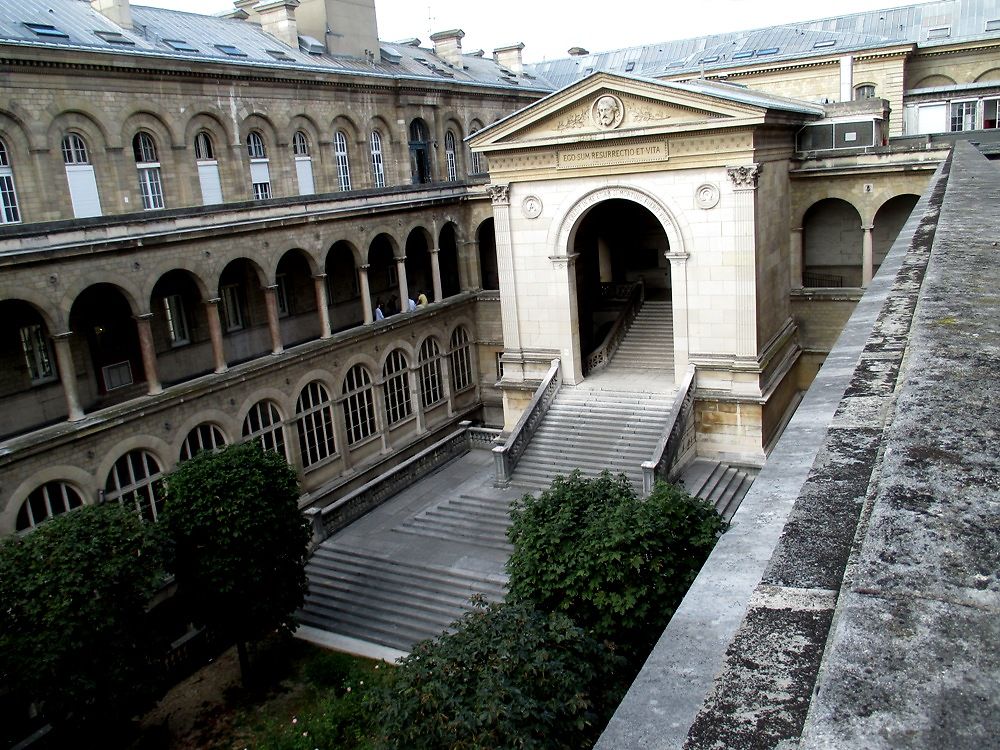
x,y
828,280
634,294
506,456
677,437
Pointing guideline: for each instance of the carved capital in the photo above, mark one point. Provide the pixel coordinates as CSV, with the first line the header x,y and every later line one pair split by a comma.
x,y
563,261
499,194
745,177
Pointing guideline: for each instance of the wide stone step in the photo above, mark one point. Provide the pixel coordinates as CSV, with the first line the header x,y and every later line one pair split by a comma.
x,y
383,601
417,577
718,483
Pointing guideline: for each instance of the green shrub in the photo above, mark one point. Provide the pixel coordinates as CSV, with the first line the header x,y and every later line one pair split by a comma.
x,y
74,630
617,564
509,676
240,542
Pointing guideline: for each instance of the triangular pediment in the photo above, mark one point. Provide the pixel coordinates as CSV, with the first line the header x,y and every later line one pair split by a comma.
x,y
607,106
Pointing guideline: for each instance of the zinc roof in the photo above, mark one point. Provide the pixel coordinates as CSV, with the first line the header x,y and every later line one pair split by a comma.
x,y
925,25
76,23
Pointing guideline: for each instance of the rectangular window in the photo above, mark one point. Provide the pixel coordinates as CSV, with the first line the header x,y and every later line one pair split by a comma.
x,y
117,375
260,178
83,190
963,116
990,111
37,355
46,29
304,172
499,356
232,313
9,212
180,45
391,276
149,186
177,327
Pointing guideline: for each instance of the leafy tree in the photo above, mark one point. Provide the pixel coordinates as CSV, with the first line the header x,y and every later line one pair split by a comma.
x,y
240,542
508,676
74,630
614,562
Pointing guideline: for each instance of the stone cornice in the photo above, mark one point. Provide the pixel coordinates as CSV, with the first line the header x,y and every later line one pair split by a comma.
x,y
221,71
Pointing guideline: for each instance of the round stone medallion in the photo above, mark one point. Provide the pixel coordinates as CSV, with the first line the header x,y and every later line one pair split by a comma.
x,y
531,207
607,112
706,196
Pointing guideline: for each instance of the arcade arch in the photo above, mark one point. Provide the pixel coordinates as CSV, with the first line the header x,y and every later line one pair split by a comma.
x,y
617,242
832,238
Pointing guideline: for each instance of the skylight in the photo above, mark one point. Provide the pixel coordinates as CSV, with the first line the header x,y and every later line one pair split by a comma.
x,y
180,45
825,43
743,55
993,25
230,50
46,29
113,37
630,66
277,54
713,58
939,32
768,51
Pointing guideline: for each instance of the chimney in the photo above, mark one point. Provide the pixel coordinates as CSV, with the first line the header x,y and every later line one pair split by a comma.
x,y
115,10
448,46
510,58
247,7
577,52
277,18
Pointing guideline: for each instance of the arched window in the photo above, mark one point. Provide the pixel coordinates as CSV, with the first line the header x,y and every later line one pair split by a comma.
x,y
263,423
343,166
396,387
80,176
45,502
208,169
134,482
864,91
461,359
449,152
314,414
430,372
303,163
359,406
378,165
9,212
148,164
74,149
255,146
260,176
204,437
300,144
204,150
420,162
477,159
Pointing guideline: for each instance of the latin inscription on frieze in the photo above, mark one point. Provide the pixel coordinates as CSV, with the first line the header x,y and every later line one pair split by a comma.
x,y
604,156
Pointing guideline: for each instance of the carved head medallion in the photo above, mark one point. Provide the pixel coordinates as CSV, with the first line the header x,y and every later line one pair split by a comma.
x,y
607,112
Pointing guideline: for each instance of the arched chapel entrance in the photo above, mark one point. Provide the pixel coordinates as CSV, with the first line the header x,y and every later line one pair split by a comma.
x,y
617,243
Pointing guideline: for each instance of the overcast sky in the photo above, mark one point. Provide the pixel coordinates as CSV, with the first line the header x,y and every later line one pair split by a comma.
x,y
549,28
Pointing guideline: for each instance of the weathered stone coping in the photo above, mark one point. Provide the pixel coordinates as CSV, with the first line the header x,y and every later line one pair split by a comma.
x,y
675,687
349,508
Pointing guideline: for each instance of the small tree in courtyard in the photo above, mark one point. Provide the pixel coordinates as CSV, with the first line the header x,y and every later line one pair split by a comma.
x,y
75,634
509,676
240,542
615,563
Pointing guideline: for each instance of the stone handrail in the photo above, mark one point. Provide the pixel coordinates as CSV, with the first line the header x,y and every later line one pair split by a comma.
x,y
603,354
483,438
506,456
677,436
353,505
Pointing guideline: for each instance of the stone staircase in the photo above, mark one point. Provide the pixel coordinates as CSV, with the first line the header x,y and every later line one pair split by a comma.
x,y
376,599
469,518
649,344
592,430
722,485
